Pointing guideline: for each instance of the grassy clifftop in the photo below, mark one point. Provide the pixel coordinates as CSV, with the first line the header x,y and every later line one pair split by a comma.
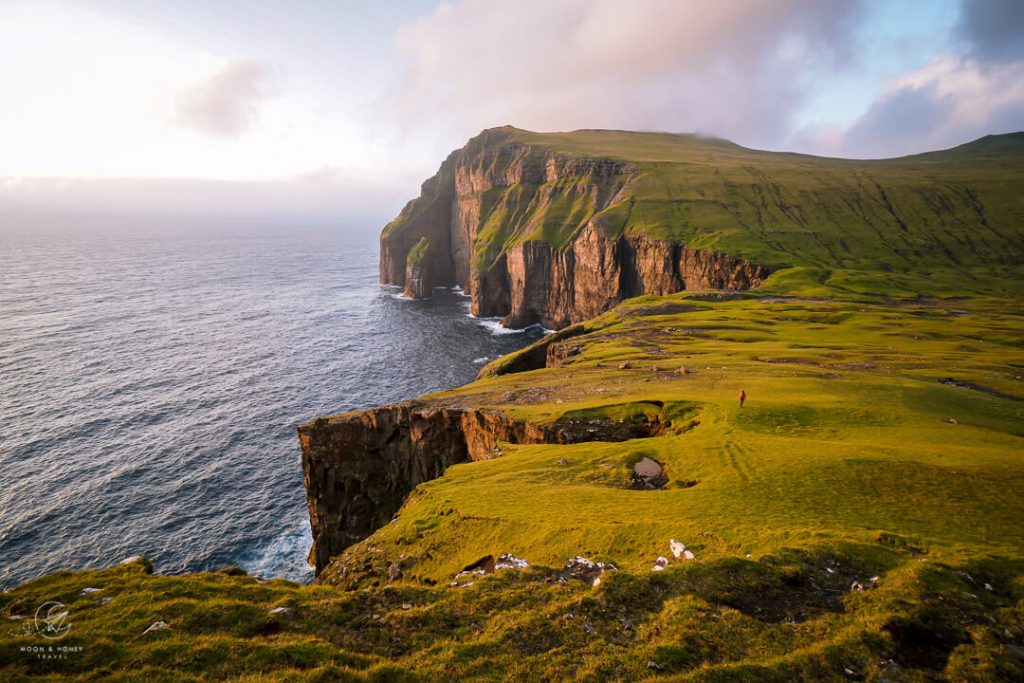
x,y
943,220
860,518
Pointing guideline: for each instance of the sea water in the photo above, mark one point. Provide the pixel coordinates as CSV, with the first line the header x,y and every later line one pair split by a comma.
x,y
152,376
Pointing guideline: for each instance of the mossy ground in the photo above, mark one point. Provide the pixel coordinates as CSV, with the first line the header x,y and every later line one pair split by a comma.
x,y
417,253
880,444
944,222
861,418
861,517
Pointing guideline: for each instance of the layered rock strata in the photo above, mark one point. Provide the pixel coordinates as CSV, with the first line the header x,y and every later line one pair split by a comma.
x,y
359,468
533,236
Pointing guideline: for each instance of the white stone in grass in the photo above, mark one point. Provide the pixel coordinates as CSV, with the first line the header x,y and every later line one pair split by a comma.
x,y
87,591
156,626
677,548
510,561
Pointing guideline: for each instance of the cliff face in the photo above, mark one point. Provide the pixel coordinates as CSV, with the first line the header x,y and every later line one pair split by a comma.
x,y
554,228
535,236
556,288
359,468
419,276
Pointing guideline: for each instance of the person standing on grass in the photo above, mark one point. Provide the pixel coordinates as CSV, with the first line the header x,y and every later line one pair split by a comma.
x,y
743,397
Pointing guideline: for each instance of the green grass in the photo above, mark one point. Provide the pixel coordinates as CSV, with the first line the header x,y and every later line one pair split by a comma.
x,y
780,617
846,434
843,466
882,443
418,252
942,223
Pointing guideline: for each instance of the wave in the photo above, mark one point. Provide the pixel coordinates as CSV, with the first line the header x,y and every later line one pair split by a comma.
x,y
286,556
495,326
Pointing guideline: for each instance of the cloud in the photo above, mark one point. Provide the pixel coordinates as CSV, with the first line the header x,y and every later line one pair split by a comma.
x,y
747,70
974,87
993,29
737,69
320,194
227,104
949,101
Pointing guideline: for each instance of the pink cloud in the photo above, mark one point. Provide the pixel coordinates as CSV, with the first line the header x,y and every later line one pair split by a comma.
x,y
226,105
730,68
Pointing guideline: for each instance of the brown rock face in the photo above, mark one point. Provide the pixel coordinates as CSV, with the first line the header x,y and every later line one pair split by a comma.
x,y
557,289
487,214
419,283
359,468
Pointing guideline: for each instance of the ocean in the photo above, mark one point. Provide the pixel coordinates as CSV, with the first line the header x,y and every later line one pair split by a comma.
x,y
151,378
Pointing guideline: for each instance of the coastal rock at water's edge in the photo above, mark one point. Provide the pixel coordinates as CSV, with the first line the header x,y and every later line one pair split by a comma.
x,y
494,216
360,467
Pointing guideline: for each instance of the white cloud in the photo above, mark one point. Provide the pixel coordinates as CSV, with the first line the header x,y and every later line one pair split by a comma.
x,y
738,69
951,100
227,103
318,194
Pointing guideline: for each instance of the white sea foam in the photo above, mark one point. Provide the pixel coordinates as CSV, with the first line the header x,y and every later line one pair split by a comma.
x,y
495,326
286,555
394,292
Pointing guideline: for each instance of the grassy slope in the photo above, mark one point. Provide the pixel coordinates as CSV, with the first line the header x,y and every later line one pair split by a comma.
x,y
942,222
843,466
846,432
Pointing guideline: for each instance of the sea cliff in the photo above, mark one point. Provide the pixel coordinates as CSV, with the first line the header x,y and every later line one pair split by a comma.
x,y
556,228
536,236
858,518
360,467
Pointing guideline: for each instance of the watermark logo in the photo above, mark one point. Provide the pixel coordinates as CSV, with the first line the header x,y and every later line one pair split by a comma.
x,y
51,620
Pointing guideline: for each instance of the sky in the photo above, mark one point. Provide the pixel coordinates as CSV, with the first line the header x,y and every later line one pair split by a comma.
x,y
335,108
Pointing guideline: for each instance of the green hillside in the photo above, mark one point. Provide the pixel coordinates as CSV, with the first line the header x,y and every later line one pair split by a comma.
x,y
938,223
861,517
862,513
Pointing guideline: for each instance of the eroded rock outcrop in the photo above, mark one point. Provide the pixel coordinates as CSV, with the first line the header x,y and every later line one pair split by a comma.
x,y
360,467
557,288
538,236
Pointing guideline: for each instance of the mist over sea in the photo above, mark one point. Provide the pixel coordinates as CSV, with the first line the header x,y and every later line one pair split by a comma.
x,y
151,378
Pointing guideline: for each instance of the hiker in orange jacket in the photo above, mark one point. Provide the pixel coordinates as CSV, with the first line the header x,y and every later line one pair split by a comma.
x,y
743,397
